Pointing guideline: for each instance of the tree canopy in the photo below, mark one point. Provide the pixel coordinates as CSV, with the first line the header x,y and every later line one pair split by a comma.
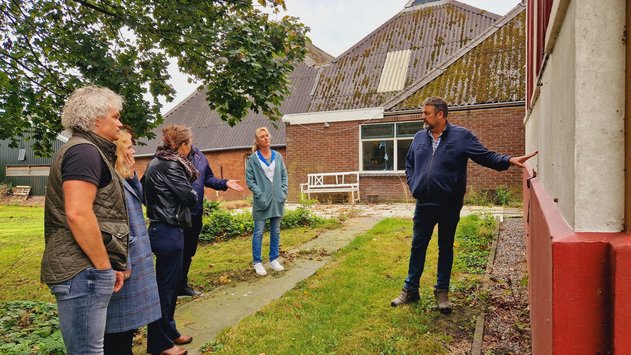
x,y
48,48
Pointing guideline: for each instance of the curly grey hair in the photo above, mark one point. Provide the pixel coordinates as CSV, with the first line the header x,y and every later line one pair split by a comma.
x,y
88,103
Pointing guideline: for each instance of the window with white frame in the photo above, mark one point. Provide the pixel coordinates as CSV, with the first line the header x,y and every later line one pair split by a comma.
x,y
385,145
28,170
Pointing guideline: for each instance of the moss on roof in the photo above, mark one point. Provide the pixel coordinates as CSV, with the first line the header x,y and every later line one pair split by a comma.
x,y
491,72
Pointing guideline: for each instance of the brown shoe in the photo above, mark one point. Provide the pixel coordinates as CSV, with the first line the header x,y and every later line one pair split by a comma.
x,y
442,299
405,297
176,350
183,339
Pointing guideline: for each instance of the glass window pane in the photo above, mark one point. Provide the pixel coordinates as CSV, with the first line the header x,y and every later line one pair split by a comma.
x,y
17,171
40,170
402,150
378,131
377,155
409,129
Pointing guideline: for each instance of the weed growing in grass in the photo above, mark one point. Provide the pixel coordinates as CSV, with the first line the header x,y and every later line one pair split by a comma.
x,y
503,196
473,236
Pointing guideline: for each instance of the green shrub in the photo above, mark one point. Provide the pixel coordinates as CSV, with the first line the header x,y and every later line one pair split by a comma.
x,y
30,327
221,224
300,217
478,198
503,196
210,206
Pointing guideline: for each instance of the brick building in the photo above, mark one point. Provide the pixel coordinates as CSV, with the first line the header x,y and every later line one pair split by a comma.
x,y
359,111
363,115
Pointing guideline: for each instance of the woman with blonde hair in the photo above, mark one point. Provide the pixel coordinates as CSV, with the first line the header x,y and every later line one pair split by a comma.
x,y
137,303
266,177
170,196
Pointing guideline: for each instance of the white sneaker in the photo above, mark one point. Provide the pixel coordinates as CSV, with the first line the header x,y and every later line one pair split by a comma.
x,y
260,270
276,265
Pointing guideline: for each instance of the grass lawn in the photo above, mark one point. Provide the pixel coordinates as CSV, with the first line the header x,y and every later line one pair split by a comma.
x,y
345,307
21,248
22,245
231,260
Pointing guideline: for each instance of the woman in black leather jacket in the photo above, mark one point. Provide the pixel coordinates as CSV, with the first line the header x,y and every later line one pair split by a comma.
x,y
169,195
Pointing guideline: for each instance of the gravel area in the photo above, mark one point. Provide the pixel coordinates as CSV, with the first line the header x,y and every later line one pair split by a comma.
x,y
507,322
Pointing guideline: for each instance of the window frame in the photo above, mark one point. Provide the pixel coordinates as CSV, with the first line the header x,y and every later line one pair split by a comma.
x,y
395,145
26,170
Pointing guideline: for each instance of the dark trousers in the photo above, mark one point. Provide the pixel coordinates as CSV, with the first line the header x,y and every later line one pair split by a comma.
x,y
119,343
191,239
425,219
167,244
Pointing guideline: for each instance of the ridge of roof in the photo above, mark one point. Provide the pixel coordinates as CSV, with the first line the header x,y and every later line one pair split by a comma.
x,y
417,8
441,67
185,100
319,56
459,4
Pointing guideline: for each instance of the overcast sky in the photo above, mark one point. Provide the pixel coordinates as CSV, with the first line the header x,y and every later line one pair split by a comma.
x,y
336,25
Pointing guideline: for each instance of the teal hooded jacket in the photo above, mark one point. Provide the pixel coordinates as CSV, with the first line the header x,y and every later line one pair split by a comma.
x,y
268,199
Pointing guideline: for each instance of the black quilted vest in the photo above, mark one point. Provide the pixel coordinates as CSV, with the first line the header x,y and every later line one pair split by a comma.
x,y
63,258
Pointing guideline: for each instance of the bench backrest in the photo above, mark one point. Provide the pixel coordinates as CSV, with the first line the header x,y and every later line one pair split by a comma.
x,y
333,179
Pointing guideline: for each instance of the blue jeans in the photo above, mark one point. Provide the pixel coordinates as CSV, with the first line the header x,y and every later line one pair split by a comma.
x,y
425,219
82,306
167,243
257,239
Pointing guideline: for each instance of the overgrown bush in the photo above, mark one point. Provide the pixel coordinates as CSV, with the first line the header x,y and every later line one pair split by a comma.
x,y
300,217
30,327
221,224
503,196
210,206
5,188
478,198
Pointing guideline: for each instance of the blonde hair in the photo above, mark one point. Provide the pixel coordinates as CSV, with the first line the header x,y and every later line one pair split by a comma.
x,y
122,143
255,145
175,135
88,103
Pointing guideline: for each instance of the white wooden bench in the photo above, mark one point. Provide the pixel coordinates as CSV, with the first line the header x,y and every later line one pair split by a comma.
x,y
332,183
21,192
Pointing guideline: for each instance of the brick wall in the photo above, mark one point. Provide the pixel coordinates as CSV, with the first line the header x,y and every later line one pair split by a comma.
x,y
226,165
315,148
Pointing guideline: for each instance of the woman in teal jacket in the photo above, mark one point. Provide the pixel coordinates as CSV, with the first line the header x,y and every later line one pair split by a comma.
x,y
266,177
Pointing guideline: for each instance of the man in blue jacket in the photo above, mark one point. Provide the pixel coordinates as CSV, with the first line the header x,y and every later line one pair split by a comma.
x,y
436,171
206,178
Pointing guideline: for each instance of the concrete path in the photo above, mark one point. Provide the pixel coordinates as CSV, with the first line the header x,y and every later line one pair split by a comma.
x,y
205,316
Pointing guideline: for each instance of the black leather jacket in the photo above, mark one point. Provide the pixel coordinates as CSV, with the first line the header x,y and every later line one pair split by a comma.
x,y
169,193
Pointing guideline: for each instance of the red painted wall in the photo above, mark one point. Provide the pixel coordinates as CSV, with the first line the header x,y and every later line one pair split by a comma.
x,y
620,255
578,282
